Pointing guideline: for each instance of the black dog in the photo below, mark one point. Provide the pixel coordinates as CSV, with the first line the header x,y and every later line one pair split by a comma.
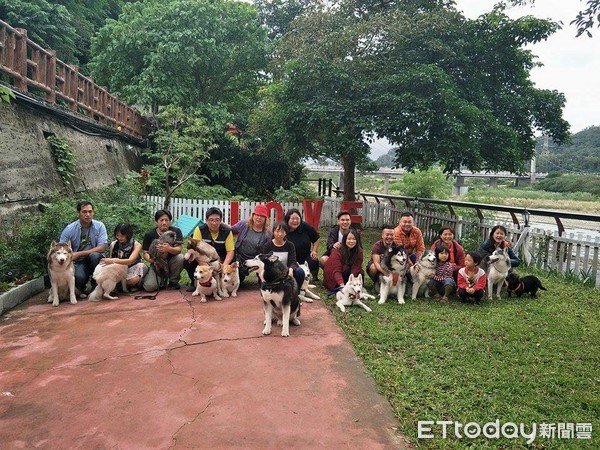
x,y
519,286
278,290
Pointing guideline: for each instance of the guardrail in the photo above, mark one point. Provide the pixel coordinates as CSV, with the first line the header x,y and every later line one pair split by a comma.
x,y
29,66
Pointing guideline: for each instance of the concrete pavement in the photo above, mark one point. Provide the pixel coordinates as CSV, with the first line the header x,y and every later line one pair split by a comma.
x,y
176,373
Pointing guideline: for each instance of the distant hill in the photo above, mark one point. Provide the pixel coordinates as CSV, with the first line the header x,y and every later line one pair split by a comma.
x,y
582,156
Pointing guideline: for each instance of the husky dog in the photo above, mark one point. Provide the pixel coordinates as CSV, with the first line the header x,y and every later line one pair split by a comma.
x,y
306,295
230,279
206,283
203,253
426,271
279,292
352,293
395,260
107,276
523,285
498,265
62,273
160,262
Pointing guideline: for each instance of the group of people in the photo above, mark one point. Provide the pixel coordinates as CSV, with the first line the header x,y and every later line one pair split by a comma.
x,y
457,271
293,240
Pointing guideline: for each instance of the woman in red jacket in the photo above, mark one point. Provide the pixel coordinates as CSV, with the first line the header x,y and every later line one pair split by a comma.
x,y
343,261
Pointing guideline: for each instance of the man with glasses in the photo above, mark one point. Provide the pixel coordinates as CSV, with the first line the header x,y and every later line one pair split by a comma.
x,y
215,233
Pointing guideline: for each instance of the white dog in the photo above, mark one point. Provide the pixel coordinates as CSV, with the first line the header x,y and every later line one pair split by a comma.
x,y
306,295
498,265
421,272
107,276
206,283
62,273
230,279
352,293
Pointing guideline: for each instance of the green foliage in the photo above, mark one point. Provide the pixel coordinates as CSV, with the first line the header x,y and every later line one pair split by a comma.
x,y
581,156
64,159
182,142
182,52
204,192
296,193
64,25
430,183
23,248
571,183
6,94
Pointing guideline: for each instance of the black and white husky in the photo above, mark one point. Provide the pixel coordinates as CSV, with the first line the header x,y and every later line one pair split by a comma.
x,y
279,292
421,272
395,261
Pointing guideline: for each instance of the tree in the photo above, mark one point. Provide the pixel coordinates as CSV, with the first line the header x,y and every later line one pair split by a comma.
x,y
584,20
183,52
62,25
48,25
182,142
456,91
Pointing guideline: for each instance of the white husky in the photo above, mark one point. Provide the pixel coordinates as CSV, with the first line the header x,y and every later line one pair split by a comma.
x,y
62,273
306,295
352,293
107,276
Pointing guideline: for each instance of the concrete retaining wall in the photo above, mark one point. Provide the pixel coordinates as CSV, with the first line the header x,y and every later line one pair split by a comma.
x,y
28,169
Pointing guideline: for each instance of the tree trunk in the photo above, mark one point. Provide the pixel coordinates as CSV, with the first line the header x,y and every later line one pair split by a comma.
x,y
349,169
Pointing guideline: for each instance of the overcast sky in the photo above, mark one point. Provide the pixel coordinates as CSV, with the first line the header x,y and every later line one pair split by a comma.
x,y
571,65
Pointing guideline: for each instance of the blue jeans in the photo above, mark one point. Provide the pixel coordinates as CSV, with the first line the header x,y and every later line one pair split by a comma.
x,y
84,268
439,285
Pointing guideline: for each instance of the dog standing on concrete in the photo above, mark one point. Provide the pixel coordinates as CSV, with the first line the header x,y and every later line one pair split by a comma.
x,y
279,292
62,273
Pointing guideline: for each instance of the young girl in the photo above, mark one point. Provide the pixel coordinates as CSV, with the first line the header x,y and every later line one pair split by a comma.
x,y
285,250
471,278
126,250
443,281
343,261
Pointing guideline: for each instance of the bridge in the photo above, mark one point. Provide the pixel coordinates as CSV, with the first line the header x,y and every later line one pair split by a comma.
x,y
459,186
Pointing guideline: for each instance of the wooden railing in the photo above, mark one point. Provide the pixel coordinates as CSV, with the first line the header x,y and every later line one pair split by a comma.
x,y
30,66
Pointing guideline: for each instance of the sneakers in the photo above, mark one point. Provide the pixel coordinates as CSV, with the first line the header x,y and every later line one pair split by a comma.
x,y
174,285
191,288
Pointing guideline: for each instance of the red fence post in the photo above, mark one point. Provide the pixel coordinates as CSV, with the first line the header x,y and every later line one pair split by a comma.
x,y
51,77
21,59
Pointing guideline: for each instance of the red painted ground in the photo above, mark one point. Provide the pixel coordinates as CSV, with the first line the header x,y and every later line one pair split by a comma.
x,y
176,373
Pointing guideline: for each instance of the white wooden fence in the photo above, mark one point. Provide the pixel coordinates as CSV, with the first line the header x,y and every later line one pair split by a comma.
x,y
570,254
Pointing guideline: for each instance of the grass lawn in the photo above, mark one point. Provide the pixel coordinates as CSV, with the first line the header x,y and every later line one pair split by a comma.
x,y
513,360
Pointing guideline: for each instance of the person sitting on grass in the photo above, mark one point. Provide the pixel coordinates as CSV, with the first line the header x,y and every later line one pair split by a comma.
x,y
442,284
471,279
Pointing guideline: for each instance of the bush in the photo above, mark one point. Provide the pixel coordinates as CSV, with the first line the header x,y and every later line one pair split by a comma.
x,y
23,249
